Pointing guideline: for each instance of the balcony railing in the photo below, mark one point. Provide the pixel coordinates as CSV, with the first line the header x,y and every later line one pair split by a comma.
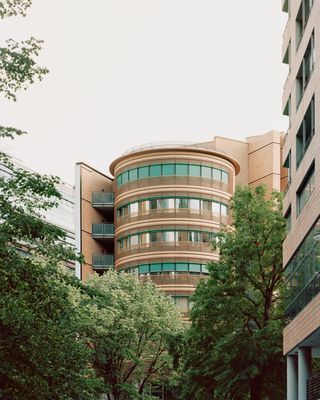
x,y
103,231
102,261
102,199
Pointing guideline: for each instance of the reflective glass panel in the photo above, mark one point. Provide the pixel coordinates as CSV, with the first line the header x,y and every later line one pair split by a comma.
x,y
134,208
216,174
195,267
155,170
155,267
205,269
168,266
224,177
194,204
143,172
216,207
194,170
133,174
182,203
134,240
182,267
224,209
207,205
168,169
143,269
182,169
206,172
168,236
125,176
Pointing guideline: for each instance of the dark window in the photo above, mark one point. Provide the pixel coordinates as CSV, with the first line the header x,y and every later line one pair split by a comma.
x,y
305,70
305,190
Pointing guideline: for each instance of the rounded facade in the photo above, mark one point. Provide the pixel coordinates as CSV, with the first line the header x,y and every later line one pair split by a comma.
x,y
168,204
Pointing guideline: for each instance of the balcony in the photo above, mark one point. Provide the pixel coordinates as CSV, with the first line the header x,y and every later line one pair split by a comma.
x,y
102,261
103,231
103,200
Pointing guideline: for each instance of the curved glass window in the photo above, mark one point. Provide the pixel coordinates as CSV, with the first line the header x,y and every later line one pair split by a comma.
x,y
172,236
168,267
167,203
173,169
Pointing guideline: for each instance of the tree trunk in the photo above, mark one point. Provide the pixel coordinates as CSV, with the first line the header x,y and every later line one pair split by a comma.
x,y
256,388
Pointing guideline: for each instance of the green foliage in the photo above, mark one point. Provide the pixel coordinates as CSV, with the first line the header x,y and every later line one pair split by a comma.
x,y
10,132
235,341
10,8
130,325
18,68
41,355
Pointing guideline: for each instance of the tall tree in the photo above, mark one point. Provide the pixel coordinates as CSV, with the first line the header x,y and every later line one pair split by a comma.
x,y
235,341
41,355
130,325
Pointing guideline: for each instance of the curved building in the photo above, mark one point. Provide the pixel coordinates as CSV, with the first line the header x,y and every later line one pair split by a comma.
x,y
168,204
157,216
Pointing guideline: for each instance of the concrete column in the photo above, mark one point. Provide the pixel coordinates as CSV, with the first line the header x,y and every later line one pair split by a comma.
x,y
292,377
304,370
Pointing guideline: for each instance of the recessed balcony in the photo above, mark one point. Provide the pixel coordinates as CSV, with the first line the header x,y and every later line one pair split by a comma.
x,y
103,231
103,200
102,261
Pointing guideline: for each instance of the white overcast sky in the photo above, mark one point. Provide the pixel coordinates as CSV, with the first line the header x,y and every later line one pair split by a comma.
x,y
127,72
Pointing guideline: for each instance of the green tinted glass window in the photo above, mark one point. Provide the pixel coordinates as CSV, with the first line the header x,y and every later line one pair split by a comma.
x,y
168,266
153,203
195,267
194,170
155,170
182,267
125,177
133,174
168,169
155,267
153,237
182,203
205,269
206,172
225,176
143,269
216,174
119,180
143,172
182,169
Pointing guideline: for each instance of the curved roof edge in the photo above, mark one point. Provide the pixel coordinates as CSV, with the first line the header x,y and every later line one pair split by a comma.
x,y
175,149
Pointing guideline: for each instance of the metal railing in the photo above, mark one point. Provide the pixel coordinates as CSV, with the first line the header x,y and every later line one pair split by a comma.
x,y
103,230
172,145
101,261
102,199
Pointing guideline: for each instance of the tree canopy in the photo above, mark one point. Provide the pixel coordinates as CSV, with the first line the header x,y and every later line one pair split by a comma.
x,y
130,325
235,341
